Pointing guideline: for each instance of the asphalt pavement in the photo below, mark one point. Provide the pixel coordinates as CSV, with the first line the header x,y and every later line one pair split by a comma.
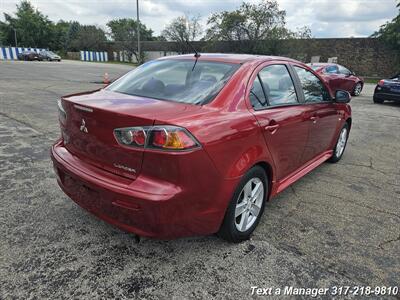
x,y
337,226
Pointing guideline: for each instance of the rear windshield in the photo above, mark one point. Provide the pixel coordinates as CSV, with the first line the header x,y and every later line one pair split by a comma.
x,y
176,80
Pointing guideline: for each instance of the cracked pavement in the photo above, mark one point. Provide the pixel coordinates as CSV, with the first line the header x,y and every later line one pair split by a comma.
x,y
339,225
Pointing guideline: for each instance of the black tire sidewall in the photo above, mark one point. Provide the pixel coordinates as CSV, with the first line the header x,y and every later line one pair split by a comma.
x,y
228,228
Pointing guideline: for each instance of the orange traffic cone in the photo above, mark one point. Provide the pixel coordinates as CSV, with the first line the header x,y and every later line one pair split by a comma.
x,y
106,79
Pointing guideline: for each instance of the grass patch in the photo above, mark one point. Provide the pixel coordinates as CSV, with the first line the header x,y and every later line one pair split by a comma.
x,y
373,80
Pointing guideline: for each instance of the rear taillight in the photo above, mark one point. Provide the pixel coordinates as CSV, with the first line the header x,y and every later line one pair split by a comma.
x,y
134,136
381,82
169,138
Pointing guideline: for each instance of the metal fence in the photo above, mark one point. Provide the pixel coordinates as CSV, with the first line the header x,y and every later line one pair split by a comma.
x,y
11,53
94,56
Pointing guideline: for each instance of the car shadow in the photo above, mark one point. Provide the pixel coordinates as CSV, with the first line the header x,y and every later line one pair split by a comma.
x,y
392,103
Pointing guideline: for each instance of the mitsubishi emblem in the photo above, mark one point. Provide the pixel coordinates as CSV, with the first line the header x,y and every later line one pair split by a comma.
x,y
83,127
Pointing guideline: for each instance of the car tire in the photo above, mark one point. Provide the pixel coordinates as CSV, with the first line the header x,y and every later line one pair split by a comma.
x,y
357,89
377,100
341,143
249,199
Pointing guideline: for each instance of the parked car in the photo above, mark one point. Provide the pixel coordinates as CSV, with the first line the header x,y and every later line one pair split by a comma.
x,y
187,145
50,56
388,89
29,55
339,77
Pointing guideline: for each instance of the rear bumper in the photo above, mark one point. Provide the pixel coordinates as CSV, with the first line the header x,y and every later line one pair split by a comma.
x,y
384,95
163,211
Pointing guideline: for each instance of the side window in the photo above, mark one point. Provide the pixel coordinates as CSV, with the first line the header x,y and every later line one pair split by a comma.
x,y
257,97
343,70
278,85
313,88
331,70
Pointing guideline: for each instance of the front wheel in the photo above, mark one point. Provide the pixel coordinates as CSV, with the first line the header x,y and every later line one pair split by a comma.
x,y
246,207
340,144
357,89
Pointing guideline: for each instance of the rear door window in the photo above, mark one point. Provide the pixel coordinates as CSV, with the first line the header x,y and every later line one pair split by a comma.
x,y
257,97
278,85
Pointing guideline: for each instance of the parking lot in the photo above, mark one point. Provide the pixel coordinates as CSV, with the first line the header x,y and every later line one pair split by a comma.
x,y
339,225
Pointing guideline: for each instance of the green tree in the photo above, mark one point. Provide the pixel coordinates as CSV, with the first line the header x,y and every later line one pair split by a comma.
x,y
2,34
89,37
33,28
72,35
390,32
182,29
124,33
126,30
251,25
59,36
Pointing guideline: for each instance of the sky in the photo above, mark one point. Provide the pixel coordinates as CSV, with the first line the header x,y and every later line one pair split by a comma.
x,y
326,18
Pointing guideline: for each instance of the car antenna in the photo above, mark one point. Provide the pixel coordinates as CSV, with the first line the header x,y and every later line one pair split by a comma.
x,y
196,54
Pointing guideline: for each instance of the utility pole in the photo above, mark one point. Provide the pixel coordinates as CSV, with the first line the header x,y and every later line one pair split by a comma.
x,y
15,37
138,30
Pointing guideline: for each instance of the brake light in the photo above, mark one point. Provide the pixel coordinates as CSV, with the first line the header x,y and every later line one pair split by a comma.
x,y
139,137
381,82
159,138
166,137
134,136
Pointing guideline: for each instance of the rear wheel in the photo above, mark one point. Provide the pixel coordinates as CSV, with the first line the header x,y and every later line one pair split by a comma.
x,y
377,100
340,144
246,207
357,89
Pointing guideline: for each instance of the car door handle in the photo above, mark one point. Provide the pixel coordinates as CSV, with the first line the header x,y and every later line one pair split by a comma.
x,y
314,119
272,128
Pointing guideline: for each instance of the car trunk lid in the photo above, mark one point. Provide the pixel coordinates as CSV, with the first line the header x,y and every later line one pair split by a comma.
x,y
91,120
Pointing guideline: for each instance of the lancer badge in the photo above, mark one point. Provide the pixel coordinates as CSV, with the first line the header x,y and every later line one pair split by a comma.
x,y
83,127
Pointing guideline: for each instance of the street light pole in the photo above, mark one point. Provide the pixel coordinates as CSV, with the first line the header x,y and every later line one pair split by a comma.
x,y
138,30
15,37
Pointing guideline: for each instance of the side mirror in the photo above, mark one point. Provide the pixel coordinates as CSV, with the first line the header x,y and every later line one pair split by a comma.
x,y
342,96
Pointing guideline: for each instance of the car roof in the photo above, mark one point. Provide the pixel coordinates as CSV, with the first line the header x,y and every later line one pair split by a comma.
x,y
322,64
229,58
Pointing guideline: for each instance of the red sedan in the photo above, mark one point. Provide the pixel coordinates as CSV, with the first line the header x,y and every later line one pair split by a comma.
x,y
339,77
195,145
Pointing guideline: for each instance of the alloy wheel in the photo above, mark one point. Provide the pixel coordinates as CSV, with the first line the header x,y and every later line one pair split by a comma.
x,y
249,203
341,143
358,89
